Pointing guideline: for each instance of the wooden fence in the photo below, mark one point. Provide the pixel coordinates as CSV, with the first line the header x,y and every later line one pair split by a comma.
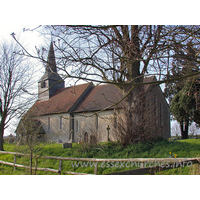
x,y
154,164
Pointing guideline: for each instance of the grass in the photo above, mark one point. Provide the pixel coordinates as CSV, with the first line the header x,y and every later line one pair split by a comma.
x,y
153,149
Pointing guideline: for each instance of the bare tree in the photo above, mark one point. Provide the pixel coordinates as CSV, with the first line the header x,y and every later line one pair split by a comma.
x,y
30,133
122,55
16,75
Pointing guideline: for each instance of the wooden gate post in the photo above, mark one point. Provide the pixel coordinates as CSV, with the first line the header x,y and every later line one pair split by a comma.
x,y
198,166
35,165
14,162
152,171
95,168
60,167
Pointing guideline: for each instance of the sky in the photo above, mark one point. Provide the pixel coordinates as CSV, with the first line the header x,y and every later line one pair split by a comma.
x,y
87,12
29,39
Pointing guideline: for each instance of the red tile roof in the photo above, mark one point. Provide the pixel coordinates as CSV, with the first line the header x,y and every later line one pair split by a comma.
x,y
104,96
80,99
61,101
100,97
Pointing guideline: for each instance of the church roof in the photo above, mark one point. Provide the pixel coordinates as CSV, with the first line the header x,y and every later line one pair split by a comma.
x,y
82,98
100,97
62,101
79,98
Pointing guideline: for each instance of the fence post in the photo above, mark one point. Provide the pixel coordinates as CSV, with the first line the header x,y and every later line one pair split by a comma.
x,y
35,165
152,171
198,166
60,167
95,168
14,162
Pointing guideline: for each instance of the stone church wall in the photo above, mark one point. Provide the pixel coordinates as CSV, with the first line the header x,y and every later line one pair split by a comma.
x,y
158,113
56,127
94,124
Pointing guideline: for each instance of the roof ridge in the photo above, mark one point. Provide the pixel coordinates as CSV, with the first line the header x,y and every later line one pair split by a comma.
x,y
81,97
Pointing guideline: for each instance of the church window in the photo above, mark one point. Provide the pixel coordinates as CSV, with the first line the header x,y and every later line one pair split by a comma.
x,y
160,117
155,109
115,120
76,126
154,105
61,123
43,84
49,125
96,121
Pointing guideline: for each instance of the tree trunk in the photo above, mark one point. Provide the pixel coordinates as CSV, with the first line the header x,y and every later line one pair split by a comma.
x,y
31,161
2,127
131,63
133,112
1,137
1,141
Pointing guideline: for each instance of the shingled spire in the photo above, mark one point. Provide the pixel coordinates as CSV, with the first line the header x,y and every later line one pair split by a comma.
x,y
50,81
51,61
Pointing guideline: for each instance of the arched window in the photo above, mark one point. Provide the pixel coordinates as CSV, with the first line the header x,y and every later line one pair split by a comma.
x,y
49,124
96,121
61,123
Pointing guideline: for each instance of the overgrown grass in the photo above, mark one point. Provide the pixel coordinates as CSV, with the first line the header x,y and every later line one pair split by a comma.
x,y
152,149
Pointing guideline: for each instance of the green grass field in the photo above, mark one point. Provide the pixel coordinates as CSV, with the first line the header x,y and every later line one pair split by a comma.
x,y
154,149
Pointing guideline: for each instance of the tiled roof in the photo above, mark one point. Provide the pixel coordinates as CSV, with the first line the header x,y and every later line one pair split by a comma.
x,y
82,98
100,97
104,96
61,101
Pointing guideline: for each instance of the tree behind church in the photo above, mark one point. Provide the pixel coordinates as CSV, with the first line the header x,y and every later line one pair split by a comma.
x,y
122,55
184,94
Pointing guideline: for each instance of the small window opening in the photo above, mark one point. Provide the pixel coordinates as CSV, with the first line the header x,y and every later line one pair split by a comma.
x,y
43,84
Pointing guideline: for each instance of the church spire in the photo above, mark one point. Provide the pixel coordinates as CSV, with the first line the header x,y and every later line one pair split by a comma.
x,y
50,81
51,61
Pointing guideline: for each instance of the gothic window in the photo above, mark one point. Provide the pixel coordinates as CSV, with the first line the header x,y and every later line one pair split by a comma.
x,y
61,123
155,109
154,105
76,126
160,112
115,120
49,125
148,111
96,121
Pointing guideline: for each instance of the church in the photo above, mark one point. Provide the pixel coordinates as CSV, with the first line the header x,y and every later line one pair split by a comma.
x,y
85,112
